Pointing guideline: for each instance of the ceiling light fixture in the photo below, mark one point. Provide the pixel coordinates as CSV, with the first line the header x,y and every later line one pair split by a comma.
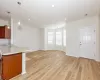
x,y
19,23
65,19
53,5
29,19
8,27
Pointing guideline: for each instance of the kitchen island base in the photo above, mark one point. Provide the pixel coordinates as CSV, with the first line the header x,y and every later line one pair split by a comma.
x,y
11,65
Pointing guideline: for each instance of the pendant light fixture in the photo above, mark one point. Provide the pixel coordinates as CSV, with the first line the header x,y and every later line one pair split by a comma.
x,y
9,14
19,22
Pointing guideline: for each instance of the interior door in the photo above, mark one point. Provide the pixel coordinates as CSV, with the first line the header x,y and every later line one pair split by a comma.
x,y
87,42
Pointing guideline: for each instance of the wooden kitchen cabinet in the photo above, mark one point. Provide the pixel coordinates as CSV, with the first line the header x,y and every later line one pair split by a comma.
x,y
5,32
2,32
11,66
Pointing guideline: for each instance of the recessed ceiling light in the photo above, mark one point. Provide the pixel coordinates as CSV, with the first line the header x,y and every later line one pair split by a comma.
x,y
8,27
65,19
19,23
29,19
53,5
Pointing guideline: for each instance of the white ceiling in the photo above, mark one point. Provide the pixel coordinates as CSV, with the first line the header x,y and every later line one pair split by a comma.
x,y
42,13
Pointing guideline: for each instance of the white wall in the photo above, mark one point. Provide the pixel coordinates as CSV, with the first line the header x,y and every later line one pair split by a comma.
x,y
3,22
27,36
42,38
72,40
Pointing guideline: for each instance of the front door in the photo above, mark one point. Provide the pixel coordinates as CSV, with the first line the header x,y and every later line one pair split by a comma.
x,y
87,42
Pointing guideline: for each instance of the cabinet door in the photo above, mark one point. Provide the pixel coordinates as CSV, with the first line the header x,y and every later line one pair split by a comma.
x,y
2,32
7,33
11,66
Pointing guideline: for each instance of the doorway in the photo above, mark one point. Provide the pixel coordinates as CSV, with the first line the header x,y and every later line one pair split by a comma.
x,y
87,42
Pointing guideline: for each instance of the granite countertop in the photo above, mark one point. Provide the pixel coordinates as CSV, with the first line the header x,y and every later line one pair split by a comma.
x,y
9,50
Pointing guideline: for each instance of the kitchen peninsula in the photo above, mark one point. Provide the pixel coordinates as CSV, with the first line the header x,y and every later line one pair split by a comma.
x,y
13,61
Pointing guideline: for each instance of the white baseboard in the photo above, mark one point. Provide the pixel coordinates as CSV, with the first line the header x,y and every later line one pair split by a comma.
x,y
23,73
71,55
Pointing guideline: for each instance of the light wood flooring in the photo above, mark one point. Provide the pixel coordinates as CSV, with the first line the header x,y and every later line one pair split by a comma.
x,y
55,65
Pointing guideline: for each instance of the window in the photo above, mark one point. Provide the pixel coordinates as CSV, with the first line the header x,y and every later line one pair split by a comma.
x,y
58,38
50,37
64,37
